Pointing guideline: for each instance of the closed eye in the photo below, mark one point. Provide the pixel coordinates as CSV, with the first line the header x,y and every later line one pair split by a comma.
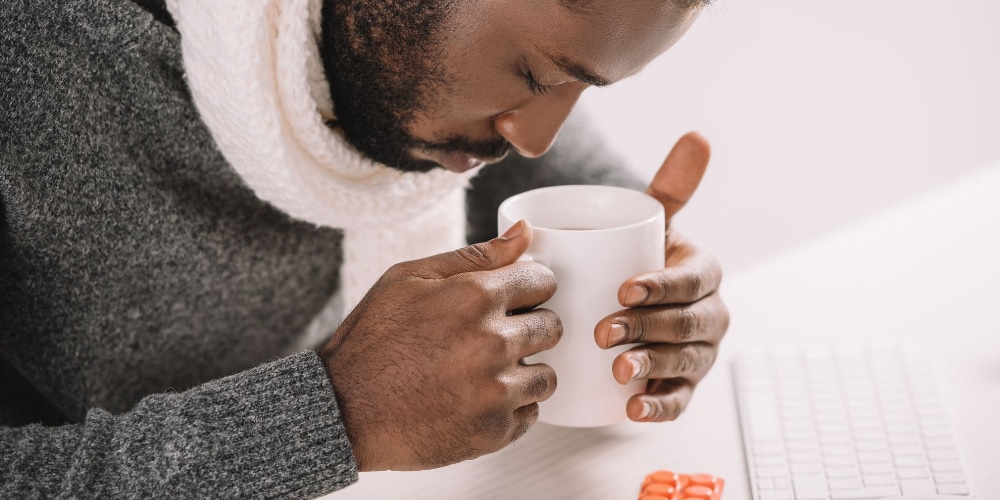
x,y
533,85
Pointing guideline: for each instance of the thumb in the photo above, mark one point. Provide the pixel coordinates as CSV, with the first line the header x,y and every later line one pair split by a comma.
x,y
678,178
486,256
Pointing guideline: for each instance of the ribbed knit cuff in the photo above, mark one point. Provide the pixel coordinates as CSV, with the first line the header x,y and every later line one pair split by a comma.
x,y
285,434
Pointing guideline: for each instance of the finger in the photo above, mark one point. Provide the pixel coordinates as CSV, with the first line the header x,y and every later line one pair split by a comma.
x,y
533,332
703,321
662,361
663,400
521,285
524,418
679,176
531,384
493,254
692,279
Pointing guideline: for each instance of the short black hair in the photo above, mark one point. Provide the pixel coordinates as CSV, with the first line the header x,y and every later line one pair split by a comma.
x,y
584,6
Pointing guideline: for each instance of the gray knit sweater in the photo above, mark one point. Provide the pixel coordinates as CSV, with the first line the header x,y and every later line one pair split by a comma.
x,y
152,309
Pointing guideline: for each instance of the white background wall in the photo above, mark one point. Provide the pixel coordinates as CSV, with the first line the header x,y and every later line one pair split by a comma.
x,y
819,112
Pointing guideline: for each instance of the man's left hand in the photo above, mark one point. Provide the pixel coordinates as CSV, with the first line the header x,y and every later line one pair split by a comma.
x,y
674,314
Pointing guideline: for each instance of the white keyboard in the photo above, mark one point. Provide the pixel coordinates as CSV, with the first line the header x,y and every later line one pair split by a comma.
x,y
845,424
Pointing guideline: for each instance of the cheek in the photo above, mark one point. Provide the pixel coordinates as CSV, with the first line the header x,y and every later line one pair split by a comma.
x,y
464,109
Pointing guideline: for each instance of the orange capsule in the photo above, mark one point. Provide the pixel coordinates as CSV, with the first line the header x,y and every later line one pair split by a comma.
x,y
703,479
664,490
699,493
682,481
663,476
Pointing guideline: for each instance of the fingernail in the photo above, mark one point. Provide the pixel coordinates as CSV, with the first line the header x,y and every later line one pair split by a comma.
x,y
617,334
635,369
636,295
514,231
647,410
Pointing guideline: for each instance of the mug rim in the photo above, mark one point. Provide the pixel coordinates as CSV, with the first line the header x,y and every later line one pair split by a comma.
x,y
658,211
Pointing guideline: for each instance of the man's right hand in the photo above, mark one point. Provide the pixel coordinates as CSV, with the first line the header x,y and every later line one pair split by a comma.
x,y
427,367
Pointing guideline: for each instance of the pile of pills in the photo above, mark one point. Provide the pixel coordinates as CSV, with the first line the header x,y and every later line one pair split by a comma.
x,y
666,485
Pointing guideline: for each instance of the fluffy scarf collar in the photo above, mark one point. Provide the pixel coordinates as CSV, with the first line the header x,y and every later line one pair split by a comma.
x,y
255,73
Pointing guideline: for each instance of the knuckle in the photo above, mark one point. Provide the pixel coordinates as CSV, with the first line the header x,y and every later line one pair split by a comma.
x,y
645,363
539,273
636,326
664,408
688,324
553,327
694,284
657,409
479,254
538,385
688,360
492,429
397,271
475,292
525,418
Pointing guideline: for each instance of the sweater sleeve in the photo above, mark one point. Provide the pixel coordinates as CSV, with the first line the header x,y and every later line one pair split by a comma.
x,y
272,431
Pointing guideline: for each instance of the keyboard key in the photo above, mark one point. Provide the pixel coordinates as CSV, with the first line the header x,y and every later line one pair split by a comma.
x,y
872,446
873,493
917,487
810,487
880,480
847,461
942,455
907,450
838,451
776,495
913,473
910,462
953,489
769,448
782,483
806,468
946,466
769,460
844,484
873,457
877,468
841,472
939,444
867,435
772,471
765,483
803,446
803,457
949,477
936,432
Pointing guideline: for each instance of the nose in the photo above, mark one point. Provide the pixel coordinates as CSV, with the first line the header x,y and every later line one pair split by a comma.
x,y
533,127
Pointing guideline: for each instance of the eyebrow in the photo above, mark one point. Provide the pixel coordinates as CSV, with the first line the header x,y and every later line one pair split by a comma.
x,y
579,71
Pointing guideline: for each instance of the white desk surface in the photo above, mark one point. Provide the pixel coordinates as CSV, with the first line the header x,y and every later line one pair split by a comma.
x,y
926,271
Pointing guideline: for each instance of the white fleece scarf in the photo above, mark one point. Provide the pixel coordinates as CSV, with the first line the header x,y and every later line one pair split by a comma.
x,y
254,70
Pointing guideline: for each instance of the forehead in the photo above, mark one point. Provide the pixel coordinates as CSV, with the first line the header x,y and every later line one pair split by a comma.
x,y
617,37
614,38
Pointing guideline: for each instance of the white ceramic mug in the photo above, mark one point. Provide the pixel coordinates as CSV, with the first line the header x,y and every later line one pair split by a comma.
x,y
593,238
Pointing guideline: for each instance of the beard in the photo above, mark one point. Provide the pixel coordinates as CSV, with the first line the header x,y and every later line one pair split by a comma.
x,y
383,60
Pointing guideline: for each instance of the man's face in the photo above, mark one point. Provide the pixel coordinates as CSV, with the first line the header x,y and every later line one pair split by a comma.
x,y
419,84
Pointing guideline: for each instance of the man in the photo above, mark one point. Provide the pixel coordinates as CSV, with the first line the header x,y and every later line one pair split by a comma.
x,y
174,225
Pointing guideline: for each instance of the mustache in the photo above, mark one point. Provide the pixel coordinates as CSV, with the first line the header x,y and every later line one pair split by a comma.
x,y
489,149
